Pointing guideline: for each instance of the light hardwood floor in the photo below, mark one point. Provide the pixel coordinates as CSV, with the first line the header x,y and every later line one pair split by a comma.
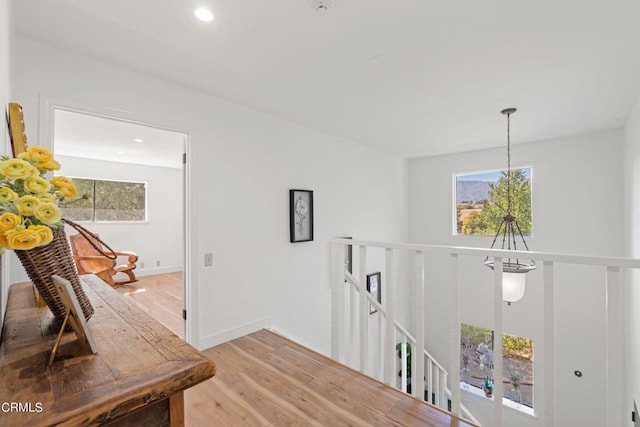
x,y
263,379
160,296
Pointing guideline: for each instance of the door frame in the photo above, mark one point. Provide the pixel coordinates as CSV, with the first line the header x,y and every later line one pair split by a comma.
x,y
48,105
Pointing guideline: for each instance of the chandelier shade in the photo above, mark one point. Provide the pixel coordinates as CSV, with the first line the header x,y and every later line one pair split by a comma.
x,y
513,286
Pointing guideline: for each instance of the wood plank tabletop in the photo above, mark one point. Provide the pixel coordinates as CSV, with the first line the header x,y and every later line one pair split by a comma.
x,y
139,362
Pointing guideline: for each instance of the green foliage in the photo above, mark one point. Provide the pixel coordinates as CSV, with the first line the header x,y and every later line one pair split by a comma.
x,y
399,351
474,335
475,223
82,208
108,201
516,346
488,221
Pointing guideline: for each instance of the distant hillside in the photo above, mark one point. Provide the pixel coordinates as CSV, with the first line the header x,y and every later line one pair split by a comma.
x,y
472,191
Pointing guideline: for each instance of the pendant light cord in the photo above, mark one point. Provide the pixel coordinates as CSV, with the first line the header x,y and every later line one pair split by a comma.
x,y
508,164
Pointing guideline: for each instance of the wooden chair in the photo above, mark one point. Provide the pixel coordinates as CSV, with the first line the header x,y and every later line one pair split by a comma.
x,y
89,260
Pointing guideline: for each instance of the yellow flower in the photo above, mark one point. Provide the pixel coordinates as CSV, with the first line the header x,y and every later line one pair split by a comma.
x,y
61,181
48,213
27,204
36,185
49,165
7,195
45,233
45,197
23,239
69,191
9,221
39,153
16,169
3,240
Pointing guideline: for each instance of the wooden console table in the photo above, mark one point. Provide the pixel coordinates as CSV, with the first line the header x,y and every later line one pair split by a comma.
x,y
137,377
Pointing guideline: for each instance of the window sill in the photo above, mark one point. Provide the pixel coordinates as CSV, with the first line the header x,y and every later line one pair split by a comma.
x,y
478,393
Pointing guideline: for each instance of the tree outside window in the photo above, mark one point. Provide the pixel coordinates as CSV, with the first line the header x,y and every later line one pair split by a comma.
x,y
481,201
108,201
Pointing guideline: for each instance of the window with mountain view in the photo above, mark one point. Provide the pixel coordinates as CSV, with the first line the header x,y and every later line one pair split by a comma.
x,y
481,201
109,201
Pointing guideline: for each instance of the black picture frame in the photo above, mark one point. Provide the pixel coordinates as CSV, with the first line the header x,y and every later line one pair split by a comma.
x,y
300,216
374,280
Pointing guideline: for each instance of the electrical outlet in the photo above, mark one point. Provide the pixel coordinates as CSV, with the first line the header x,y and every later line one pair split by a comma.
x,y
141,264
208,259
157,263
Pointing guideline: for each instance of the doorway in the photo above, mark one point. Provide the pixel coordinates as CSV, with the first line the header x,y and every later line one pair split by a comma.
x,y
131,179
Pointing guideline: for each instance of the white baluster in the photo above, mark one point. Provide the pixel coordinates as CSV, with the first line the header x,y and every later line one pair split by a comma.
x,y
455,334
388,289
436,389
497,342
443,394
549,348
417,386
614,348
353,324
337,302
363,312
403,363
430,382
380,352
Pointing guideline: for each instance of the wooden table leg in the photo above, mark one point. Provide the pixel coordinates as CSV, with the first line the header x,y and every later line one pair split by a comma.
x,y
176,409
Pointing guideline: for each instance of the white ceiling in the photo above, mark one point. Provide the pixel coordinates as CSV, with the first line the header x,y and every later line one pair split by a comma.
x,y
92,137
413,77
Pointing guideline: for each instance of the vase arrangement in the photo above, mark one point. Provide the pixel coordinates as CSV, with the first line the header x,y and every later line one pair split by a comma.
x,y
31,223
42,262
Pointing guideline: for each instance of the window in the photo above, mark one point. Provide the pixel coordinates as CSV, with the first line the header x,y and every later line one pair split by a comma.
x,y
476,359
481,201
108,201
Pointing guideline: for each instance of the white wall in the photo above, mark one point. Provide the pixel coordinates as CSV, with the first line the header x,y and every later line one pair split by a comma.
x,y
577,195
5,98
631,294
241,165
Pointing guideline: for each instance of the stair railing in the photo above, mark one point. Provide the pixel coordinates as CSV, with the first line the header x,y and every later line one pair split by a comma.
x,y
350,334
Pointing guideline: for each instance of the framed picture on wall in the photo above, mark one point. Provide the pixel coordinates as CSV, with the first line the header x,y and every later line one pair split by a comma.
x,y
374,287
300,216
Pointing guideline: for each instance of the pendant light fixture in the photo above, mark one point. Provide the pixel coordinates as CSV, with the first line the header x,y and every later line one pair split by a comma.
x,y
513,269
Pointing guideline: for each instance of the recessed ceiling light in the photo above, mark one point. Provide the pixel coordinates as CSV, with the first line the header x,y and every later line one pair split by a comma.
x,y
204,15
138,140
120,152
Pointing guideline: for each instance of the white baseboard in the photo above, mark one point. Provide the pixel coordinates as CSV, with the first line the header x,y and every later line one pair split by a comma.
x,y
157,270
233,333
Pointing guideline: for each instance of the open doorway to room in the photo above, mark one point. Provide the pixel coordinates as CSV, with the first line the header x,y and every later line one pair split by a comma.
x,y
131,179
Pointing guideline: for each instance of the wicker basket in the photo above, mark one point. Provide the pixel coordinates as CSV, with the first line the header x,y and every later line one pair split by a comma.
x,y
55,258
